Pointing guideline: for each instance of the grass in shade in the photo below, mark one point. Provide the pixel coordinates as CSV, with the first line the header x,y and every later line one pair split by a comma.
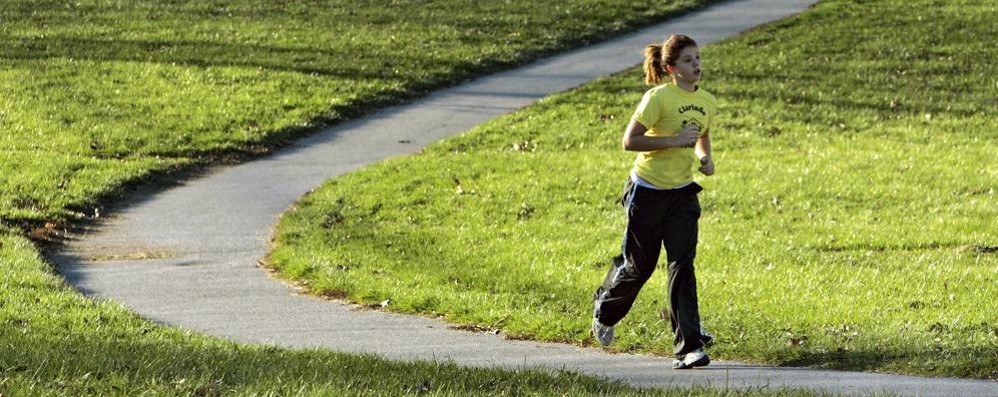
x,y
852,223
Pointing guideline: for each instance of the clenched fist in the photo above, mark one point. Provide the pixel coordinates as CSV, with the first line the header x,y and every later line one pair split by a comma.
x,y
707,166
688,136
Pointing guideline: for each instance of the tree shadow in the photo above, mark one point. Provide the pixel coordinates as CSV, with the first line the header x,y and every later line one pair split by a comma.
x,y
330,62
945,363
113,355
852,103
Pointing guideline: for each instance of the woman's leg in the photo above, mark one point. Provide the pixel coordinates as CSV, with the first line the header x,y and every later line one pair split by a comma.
x,y
640,250
680,242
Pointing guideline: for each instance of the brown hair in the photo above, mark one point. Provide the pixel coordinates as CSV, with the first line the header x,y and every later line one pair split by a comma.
x,y
657,56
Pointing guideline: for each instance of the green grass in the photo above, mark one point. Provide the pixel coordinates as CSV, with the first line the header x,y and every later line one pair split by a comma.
x,y
851,224
55,342
95,95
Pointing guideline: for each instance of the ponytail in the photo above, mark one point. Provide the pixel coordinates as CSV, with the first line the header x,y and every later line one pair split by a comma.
x,y
654,70
658,56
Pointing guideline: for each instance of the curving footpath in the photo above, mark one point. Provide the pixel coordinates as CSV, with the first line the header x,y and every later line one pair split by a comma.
x,y
188,256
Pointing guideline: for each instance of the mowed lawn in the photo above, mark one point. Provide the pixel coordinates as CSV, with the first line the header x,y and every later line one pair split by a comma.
x,y
56,342
852,223
97,95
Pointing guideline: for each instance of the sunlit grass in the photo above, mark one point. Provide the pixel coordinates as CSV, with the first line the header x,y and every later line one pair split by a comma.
x,y
852,223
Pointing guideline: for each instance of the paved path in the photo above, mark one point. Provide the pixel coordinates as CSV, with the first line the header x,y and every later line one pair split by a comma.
x,y
188,256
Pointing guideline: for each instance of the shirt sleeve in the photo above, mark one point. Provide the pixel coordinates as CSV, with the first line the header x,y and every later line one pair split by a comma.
x,y
649,111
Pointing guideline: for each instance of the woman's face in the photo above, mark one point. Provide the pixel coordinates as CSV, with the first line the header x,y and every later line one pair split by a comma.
x,y
687,67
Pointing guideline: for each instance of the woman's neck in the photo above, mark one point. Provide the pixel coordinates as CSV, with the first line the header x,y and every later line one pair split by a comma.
x,y
685,85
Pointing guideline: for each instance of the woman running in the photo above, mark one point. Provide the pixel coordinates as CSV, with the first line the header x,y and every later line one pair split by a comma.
x,y
670,131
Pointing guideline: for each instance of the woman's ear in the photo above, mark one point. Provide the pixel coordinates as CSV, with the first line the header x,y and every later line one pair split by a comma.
x,y
670,68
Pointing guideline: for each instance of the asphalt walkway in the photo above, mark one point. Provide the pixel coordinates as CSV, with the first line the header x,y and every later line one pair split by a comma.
x,y
188,256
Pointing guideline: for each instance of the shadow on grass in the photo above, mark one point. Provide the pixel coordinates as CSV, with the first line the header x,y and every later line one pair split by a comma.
x,y
850,104
344,63
111,358
964,362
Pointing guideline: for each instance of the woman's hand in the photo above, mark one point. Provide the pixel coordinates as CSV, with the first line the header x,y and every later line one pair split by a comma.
x,y
688,136
636,140
707,166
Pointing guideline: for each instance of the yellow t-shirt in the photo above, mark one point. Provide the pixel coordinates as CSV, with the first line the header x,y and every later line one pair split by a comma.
x,y
664,111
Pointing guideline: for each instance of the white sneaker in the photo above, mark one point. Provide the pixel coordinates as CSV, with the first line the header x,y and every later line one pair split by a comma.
x,y
696,358
603,333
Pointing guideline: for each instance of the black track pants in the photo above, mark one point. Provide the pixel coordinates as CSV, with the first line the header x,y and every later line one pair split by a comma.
x,y
656,218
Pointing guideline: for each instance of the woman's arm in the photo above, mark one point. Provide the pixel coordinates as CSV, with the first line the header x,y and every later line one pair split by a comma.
x,y
703,153
635,139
